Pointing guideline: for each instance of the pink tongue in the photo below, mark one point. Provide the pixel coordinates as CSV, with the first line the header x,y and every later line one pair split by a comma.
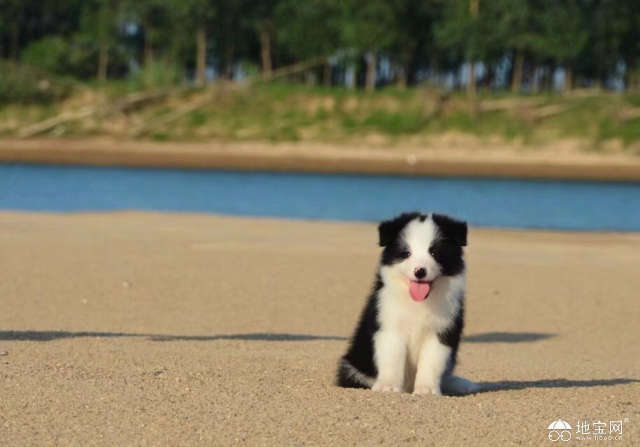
x,y
419,290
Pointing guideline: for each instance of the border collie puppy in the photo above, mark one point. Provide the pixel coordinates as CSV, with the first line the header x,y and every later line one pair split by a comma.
x,y
409,331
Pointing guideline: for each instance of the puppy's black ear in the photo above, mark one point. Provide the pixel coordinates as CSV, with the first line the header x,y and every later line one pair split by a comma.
x,y
452,229
389,229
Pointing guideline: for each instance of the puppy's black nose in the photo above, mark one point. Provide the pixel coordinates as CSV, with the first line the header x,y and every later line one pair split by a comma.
x,y
420,273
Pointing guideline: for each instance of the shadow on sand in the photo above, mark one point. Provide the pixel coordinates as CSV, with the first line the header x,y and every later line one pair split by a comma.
x,y
506,337
487,337
55,335
505,385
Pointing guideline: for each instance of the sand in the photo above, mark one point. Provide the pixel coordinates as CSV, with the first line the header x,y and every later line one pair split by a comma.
x,y
153,329
447,155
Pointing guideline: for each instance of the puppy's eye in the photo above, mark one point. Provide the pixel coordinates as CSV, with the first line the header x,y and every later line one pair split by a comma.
x,y
404,254
432,252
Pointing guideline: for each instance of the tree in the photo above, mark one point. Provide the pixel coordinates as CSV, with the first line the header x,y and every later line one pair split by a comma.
x,y
263,22
563,35
196,15
630,44
99,23
517,29
230,30
307,30
469,31
413,45
367,27
12,14
154,18
607,25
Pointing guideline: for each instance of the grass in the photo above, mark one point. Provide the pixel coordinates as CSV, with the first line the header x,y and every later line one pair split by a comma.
x,y
290,112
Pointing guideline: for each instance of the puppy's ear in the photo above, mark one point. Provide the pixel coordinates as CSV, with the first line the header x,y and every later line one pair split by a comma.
x,y
389,230
452,229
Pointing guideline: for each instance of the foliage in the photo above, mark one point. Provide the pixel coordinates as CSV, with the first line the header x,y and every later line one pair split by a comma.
x,y
155,75
27,85
599,40
308,29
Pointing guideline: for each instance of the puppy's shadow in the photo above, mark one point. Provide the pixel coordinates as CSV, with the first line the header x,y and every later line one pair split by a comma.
x,y
506,337
253,336
506,385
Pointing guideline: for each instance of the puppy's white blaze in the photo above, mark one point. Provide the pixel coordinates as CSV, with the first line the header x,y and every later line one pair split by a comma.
x,y
419,235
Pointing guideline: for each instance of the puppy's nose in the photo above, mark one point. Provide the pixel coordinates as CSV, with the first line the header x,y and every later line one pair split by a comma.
x,y
420,272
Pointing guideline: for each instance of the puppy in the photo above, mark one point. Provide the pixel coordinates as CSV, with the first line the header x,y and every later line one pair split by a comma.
x,y
409,331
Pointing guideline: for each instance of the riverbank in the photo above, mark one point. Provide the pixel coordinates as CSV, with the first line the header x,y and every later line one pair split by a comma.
x,y
166,329
444,156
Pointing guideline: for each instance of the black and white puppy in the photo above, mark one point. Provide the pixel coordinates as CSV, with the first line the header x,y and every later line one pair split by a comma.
x,y
409,331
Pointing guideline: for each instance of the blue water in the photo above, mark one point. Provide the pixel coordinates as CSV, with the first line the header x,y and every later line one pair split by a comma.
x,y
483,202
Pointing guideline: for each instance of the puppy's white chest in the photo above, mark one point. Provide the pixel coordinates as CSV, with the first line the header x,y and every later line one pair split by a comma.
x,y
397,312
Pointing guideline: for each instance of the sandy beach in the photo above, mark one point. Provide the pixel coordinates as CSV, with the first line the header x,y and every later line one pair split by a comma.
x,y
453,155
158,329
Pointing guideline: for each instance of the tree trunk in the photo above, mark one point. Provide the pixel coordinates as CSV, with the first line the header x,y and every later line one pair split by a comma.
x,y
201,56
634,81
265,50
535,80
401,78
370,79
568,78
350,76
148,49
326,73
516,82
103,61
309,78
599,83
229,54
14,44
471,85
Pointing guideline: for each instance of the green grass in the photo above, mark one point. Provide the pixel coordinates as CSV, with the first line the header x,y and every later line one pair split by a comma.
x,y
294,112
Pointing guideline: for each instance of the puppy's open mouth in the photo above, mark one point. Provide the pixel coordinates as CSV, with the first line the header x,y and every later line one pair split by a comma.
x,y
419,290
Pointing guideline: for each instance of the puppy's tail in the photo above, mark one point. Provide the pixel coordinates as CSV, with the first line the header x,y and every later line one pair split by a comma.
x,y
458,386
349,377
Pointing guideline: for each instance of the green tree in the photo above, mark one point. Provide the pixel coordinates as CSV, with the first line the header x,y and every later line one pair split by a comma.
x,y
12,17
563,35
607,24
310,29
516,27
630,43
155,19
196,15
261,18
230,31
468,27
368,27
99,22
413,45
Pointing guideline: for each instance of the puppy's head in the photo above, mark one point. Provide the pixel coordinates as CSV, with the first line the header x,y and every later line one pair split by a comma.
x,y
420,248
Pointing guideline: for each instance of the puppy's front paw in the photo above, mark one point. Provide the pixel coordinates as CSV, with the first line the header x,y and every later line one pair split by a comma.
x,y
426,389
385,387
